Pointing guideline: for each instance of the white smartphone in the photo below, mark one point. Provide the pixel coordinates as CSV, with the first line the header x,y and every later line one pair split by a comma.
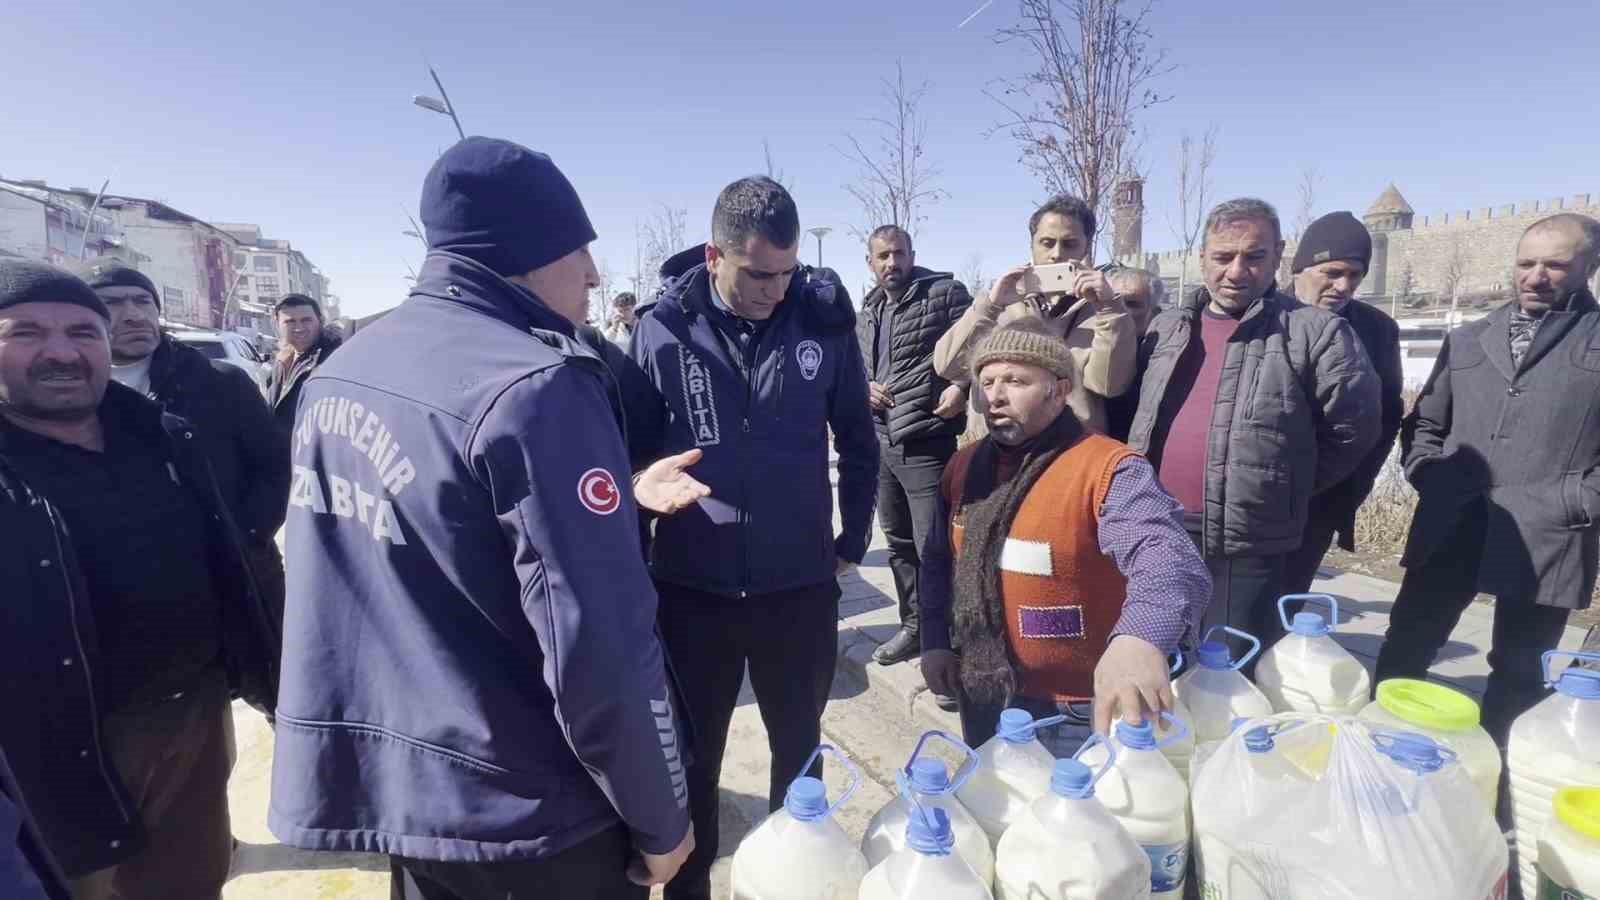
x,y
1056,278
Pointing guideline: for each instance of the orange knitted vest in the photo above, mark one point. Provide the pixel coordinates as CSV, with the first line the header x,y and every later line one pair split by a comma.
x,y
1062,596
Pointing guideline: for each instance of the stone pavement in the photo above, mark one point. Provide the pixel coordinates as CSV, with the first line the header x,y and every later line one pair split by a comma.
x,y
876,715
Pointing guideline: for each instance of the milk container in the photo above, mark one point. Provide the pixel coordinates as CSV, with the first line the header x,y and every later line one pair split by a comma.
x,y
926,783
1555,745
800,852
1308,671
1014,770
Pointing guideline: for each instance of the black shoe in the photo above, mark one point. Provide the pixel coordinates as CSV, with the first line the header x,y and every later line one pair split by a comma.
x,y
906,644
948,704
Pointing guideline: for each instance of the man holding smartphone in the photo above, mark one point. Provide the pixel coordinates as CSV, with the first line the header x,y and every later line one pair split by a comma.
x,y
1085,312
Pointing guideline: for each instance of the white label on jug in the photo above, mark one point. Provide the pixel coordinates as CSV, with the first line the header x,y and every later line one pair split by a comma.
x,y
1167,864
1549,890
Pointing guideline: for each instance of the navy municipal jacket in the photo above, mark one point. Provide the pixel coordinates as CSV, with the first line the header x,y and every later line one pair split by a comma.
x,y
762,420
471,668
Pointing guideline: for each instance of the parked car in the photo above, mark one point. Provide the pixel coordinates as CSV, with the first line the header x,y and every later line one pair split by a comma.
x,y
225,346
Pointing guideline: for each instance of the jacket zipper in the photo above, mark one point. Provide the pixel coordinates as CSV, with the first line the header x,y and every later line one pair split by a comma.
x,y
72,610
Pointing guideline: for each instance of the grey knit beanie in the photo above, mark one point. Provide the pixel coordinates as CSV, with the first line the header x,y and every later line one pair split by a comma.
x,y
1027,341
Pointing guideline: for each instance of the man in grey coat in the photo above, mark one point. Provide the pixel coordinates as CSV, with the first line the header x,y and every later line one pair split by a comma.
x,y
1503,448
1250,402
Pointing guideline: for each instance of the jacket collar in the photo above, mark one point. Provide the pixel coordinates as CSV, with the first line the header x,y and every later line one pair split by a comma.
x,y
1200,298
1496,339
922,280
456,279
129,409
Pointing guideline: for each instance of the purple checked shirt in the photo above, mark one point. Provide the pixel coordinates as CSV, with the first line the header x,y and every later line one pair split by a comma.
x,y
1141,529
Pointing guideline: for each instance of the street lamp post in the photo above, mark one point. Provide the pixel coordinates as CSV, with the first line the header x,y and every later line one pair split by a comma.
x,y
819,233
434,104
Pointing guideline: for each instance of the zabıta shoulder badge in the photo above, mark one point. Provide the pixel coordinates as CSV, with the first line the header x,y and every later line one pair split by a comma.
x,y
809,355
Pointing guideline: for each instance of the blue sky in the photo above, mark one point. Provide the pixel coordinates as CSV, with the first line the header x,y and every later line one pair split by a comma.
x,y
297,115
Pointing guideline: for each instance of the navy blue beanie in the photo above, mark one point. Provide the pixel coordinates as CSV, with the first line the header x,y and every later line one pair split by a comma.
x,y
30,281
503,205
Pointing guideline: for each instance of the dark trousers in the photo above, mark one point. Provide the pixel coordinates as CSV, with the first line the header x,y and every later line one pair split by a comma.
x,y
1432,597
1300,566
908,501
174,758
789,640
1244,594
594,868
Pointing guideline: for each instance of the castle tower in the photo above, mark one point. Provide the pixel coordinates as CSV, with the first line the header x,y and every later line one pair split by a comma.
x,y
1127,222
1390,212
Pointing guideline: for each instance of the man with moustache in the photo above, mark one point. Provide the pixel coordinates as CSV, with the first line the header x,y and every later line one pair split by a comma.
x,y
1250,403
249,455
1328,266
132,615
1503,448
918,414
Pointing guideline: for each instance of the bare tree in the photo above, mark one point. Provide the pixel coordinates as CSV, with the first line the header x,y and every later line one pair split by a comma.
x,y
1194,191
655,241
1452,272
1073,114
1404,291
1304,214
773,172
894,181
972,275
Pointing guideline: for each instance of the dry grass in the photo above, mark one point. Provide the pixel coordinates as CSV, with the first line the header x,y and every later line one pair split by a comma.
x,y
1382,521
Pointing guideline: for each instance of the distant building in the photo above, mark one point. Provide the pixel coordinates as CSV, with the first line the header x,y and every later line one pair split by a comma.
x,y
1419,262
209,276
1127,222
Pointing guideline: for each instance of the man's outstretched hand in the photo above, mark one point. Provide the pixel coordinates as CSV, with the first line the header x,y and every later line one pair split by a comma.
x,y
666,486
1132,681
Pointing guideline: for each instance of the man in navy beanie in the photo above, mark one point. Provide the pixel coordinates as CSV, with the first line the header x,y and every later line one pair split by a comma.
x,y
473,683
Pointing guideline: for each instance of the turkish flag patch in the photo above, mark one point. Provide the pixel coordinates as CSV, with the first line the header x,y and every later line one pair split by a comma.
x,y
598,493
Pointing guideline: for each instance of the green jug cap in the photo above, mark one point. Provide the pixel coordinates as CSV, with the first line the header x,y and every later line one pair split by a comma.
x,y
1428,705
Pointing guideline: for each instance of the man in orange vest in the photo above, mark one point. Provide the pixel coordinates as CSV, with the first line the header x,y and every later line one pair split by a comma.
x,y
1064,576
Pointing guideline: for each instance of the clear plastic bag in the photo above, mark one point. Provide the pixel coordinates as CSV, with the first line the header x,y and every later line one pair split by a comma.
x,y
1315,807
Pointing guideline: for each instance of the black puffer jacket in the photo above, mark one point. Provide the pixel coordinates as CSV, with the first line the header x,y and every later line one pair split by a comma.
x,y
930,305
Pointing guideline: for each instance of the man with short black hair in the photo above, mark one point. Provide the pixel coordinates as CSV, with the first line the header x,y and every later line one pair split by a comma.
x,y
304,344
619,327
917,413
1329,264
249,454
1090,317
133,614
755,361
1250,403
1503,448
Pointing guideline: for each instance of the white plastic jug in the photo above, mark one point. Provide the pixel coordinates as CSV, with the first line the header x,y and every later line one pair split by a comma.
x,y
1382,815
1146,794
928,868
1308,671
1068,847
1216,693
1449,717
800,852
925,782
1555,745
1177,745
1569,849
1013,771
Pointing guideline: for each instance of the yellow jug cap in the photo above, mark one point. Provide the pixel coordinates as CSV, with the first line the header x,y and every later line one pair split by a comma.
x,y
1579,809
1428,705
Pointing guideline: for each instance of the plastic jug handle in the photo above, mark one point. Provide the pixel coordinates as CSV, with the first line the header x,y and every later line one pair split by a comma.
x,y
1332,604
855,773
1255,643
1177,662
964,772
1576,655
1111,757
1181,731
1035,725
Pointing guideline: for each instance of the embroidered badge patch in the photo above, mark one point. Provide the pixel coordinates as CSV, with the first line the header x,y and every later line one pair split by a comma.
x,y
1051,622
597,490
809,355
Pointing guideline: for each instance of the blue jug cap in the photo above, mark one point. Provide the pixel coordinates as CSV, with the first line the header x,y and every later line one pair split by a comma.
x,y
1137,737
1015,726
928,832
1417,752
1071,778
1258,739
1309,624
1214,655
807,799
1237,723
1581,684
929,776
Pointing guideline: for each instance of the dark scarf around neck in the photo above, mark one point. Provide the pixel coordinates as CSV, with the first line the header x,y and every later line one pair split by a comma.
x,y
989,507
